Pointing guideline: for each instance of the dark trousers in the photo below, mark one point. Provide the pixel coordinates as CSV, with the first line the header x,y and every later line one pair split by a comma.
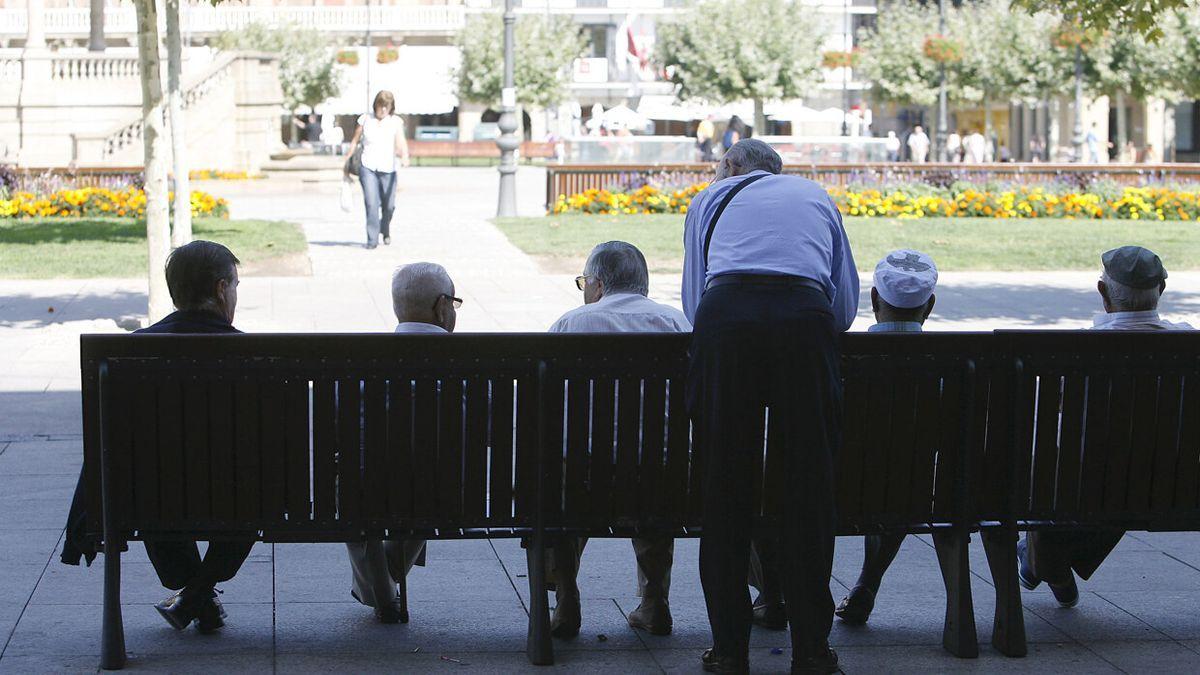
x,y
379,197
773,347
1057,553
180,566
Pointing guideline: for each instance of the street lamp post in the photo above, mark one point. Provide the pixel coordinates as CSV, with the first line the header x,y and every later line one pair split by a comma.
x,y
507,203
941,121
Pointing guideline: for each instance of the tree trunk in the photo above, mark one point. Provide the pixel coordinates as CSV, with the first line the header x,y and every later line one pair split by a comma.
x,y
1053,131
760,118
96,35
1122,125
987,130
157,221
182,231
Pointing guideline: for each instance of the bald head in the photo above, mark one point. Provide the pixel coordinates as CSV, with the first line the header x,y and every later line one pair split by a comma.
x,y
419,294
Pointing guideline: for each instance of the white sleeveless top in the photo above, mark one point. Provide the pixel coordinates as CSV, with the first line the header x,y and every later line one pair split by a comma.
x,y
379,142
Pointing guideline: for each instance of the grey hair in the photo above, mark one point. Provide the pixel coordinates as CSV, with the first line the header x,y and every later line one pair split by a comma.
x,y
749,155
416,288
620,266
1128,299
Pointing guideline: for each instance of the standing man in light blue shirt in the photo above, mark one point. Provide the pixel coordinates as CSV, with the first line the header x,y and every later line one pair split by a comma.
x,y
768,283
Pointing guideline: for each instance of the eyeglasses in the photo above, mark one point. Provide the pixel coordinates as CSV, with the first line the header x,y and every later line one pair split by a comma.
x,y
456,303
581,281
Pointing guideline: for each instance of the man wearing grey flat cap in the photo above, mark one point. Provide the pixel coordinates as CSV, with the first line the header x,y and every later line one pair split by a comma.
x,y
1130,286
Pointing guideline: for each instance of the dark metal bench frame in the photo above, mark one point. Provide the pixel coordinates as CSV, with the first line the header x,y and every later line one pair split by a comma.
x,y
948,399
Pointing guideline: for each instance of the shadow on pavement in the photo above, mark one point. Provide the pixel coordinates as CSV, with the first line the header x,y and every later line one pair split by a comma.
x,y
42,310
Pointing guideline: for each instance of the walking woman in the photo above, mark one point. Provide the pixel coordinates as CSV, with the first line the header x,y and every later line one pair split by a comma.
x,y
382,138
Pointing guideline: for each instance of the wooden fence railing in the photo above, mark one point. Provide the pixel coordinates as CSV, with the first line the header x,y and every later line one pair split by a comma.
x,y
571,179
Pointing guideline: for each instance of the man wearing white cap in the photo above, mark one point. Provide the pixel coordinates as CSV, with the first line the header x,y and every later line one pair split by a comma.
x,y
902,299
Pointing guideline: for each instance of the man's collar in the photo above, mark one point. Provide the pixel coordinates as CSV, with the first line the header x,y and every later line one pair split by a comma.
x,y
1125,317
897,327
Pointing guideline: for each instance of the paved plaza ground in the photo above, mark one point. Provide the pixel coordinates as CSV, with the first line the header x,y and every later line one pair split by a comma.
x,y
290,607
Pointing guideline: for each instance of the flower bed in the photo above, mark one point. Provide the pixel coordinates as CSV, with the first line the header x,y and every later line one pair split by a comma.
x,y
1149,203
92,202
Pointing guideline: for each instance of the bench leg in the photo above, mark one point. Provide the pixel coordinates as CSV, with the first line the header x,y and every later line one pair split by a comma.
x,y
112,636
958,633
538,645
402,591
1008,631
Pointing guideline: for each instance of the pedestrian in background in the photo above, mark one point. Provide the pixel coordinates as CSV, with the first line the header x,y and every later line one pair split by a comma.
x,y
383,141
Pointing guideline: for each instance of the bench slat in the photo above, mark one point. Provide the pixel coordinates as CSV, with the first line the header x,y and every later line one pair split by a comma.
x,y
324,450
221,449
375,481
475,450
678,449
1045,442
851,456
654,444
901,456
247,451
950,447
1095,449
297,455
500,470
350,422
1120,421
1066,496
1143,444
577,450
197,460
1167,444
527,468
142,443
402,480
927,405
425,448
271,428
601,458
629,409
879,440
450,449
171,471
1187,487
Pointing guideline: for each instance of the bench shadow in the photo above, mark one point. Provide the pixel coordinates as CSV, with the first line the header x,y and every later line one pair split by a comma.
x,y
37,310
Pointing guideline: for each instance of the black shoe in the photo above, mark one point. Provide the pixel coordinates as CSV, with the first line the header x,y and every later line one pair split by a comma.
x,y
1024,569
856,608
770,615
713,663
181,609
211,616
387,241
825,662
391,613
1066,594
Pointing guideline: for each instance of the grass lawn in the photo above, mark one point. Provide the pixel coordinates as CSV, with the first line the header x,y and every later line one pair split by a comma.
x,y
561,243
46,248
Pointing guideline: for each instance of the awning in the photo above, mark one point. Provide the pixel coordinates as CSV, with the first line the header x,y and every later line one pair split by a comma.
x,y
420,79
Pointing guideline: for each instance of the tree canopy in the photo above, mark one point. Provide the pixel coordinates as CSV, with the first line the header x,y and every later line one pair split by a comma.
x,y
1139,16
545,47
774,53
308,73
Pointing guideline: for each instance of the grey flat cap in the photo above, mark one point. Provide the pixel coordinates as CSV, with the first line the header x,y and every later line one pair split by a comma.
x,y
1134,266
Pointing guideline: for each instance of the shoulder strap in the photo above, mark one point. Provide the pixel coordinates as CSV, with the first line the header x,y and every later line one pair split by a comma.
x,y
712,224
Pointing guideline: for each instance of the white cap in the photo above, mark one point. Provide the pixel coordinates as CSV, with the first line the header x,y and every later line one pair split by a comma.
x,y
905,278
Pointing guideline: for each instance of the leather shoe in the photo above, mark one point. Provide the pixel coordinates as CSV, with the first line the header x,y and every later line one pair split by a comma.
x,y
181,609
211,616
387,241
824,662
568,616
770,615
1066,594
856,608
652,617
714,663
391,613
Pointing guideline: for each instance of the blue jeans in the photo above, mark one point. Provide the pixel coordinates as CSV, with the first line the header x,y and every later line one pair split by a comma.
x,y
379,195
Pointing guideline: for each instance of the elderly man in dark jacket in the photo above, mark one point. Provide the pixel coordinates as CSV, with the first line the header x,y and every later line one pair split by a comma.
x,y
202,278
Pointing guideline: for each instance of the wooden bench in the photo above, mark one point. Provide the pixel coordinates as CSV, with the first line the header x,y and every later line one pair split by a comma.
x,y
1107,429
538,436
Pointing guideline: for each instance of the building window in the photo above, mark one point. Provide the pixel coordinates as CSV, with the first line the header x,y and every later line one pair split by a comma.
x,y
1185,127
597,35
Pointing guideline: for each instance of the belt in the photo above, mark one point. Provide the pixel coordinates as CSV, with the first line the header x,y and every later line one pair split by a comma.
x,y
781,280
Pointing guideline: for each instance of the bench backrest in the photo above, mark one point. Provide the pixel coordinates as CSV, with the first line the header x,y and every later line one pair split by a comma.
x,y
1108,428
